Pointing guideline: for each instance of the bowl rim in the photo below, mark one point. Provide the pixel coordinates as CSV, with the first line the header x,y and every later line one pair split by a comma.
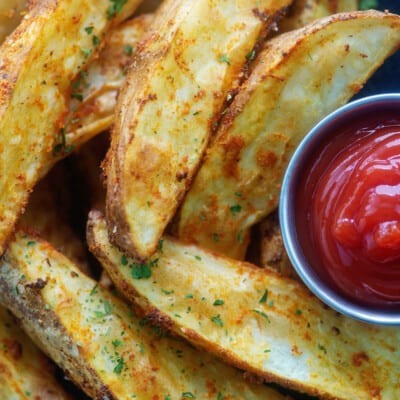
x,y
318,287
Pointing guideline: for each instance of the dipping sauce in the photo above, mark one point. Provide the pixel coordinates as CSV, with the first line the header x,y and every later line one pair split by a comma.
x,y
348,205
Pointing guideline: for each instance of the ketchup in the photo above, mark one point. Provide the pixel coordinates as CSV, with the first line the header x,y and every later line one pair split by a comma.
x,y
350,196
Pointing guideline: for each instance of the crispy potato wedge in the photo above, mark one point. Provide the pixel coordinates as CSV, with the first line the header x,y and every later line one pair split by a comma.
x,y
25,372
303,12
256,319
299,78
101,343
173,95
37,64
10,16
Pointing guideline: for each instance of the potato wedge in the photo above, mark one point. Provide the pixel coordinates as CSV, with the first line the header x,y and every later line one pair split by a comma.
x,y
37,64
102,344
303,12
256,319
165,114
10,16
25,372
299,78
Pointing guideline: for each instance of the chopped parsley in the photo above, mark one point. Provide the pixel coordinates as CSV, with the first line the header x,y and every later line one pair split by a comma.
x,y
62,145
120,365
251,55
218,302
235,209
108,309
89,29
142,271
264,297
188,395
128,49
124,260
217,320
262,314
115,7
224,58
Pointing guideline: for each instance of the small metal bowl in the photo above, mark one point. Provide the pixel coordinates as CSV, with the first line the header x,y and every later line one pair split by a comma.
x,y
308,148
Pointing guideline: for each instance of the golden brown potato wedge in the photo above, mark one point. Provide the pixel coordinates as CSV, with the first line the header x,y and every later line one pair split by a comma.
x,y
302,12
10,16
37,64
101,343
25,372
256,319
166,110
299,78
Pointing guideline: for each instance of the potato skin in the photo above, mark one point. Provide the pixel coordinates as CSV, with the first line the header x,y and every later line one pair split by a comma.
x,y
298,78
25,372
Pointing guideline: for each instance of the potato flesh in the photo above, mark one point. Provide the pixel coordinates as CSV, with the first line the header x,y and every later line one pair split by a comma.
x,y
256,319
37,64
299,78
25,372
100,342
167,108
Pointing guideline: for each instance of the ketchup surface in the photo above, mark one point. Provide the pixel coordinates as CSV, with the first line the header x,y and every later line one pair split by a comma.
x,y
350,197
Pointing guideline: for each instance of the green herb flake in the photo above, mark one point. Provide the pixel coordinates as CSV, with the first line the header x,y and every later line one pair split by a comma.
x,y
62,145
217,320
368,4
31,243
267,351
128,49
240,237
124,260
115,7
262,314
198,258
251,55
188,395
236,209
142,271
322,348
167,292
108,309
220,396
116,343
77,96
167,397
86,52
189,296
224,58
89,29
218,302
264,297
215,237
298,312
95,40
160,245
120,365
94,290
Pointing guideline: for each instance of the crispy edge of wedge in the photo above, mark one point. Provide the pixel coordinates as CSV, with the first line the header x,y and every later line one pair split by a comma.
x,y
255,319
25,371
